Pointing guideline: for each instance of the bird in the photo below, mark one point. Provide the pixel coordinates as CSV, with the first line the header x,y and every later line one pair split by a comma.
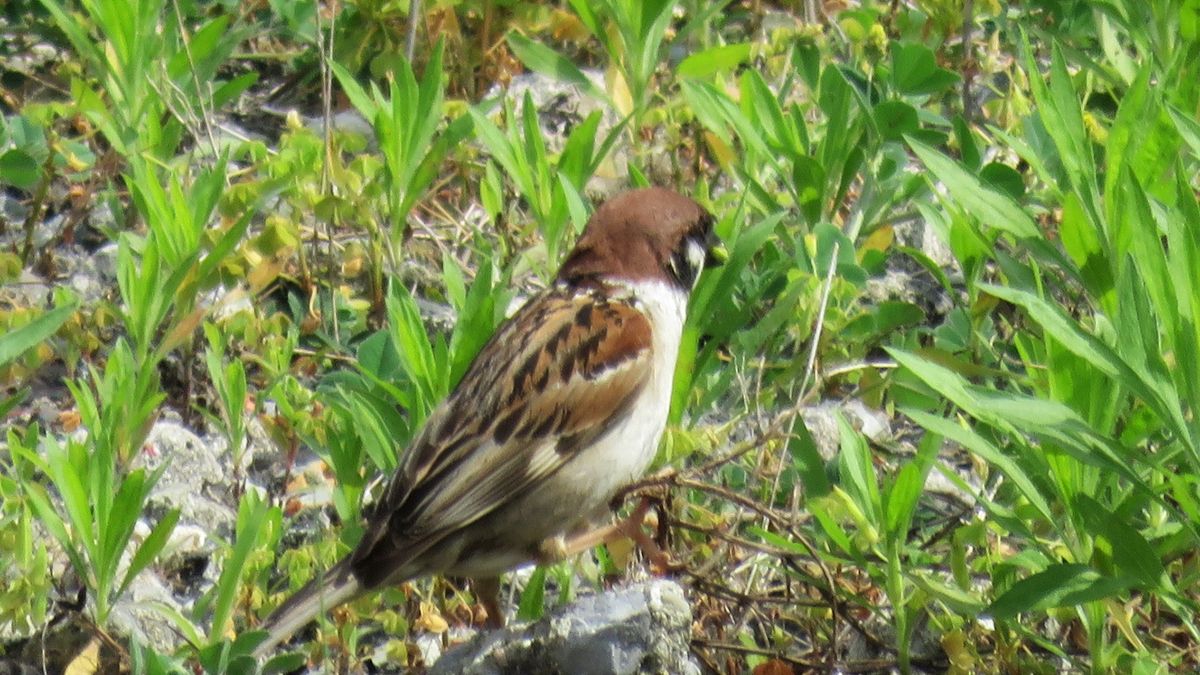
x,y
561,408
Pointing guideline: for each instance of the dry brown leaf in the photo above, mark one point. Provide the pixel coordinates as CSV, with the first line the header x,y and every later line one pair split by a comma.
x,y
773,667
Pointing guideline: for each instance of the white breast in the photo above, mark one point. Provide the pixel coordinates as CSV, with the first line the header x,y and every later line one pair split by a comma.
x,y
622,455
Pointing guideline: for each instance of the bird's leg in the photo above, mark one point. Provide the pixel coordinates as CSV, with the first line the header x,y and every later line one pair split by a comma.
x,y
629,527
551,551
487,592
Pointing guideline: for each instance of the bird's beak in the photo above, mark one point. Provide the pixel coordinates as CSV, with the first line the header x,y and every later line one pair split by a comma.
x,y
717,253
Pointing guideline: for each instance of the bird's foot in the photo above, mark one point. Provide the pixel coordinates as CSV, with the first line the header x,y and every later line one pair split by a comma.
x,y
631,527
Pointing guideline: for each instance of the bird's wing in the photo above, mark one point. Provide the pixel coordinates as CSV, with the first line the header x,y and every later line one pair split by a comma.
x,y
550,380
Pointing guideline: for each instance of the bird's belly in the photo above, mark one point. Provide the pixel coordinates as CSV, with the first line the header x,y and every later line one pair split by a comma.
x,y
576,496
615,460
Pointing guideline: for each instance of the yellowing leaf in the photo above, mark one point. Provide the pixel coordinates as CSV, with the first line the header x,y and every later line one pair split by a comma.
x,y
566,27
431,620
85,662
264,274
620,550
720,150
618,90
879,240
962,660
183,330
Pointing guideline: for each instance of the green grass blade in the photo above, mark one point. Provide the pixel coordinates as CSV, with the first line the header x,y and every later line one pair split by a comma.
x,y
541,59
17,342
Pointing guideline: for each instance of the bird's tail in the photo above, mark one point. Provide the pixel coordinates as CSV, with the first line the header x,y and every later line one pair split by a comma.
x,y
327,591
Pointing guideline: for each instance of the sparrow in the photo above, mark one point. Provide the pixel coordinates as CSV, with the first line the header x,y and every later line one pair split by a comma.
x,y
562,407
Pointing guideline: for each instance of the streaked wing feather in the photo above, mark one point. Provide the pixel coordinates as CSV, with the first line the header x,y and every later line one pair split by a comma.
x,y
543,387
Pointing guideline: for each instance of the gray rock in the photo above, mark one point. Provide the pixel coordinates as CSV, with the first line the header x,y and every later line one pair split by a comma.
x,y
821,420
143,613
929,237
28,290
104,260
560,105
641,628
196,481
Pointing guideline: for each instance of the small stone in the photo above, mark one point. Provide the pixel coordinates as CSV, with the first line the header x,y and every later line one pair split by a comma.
x,y
142,612
642,628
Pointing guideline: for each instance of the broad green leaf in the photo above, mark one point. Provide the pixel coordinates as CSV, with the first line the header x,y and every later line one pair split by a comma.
x,y
18,169
967,143
808,183
762,106
895,119
533,601
1187,125
576,163
808,461
1082,242
902,495
252,517
587,16
836,99
645,45
1003,178
992,209
713,60
915,71
71,490
373,433
1189,20
504,152
150,547
718,113
941,378
179,622
1063,328
1060,585
957,599
39,502
709,294
858,472
1131,553
836,533
284,663
117,528
1061,114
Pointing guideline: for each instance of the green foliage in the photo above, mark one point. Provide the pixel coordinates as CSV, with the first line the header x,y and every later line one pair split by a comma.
x,y
406,123
631,34
146,67
1048,353
1093,371
23,149
552,189
229,381
100,506
259,526
26,571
